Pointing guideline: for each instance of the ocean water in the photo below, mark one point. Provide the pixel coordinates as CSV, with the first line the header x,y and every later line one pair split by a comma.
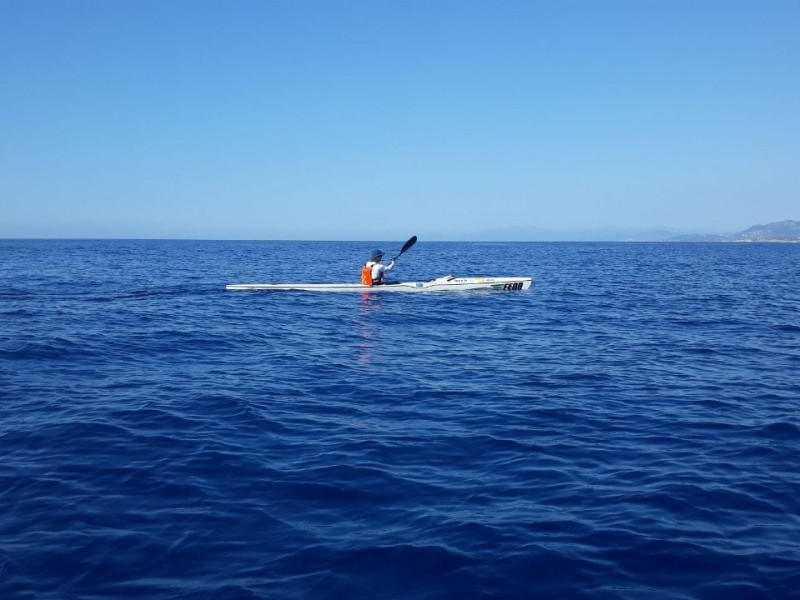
x,y
628,428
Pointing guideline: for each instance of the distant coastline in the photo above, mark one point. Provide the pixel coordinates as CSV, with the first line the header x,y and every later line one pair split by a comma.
x,y
777,232
780,232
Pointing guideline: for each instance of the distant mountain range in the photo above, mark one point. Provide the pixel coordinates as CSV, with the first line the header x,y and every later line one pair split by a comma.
x,y
780,231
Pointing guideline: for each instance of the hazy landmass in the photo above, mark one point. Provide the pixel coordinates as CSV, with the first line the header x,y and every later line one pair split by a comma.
x,y
781,231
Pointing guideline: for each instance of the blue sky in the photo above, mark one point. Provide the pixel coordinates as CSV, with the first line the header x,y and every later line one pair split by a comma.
x,y
378,120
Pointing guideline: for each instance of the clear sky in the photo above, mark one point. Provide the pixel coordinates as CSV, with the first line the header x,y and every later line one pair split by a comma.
x,y
356,119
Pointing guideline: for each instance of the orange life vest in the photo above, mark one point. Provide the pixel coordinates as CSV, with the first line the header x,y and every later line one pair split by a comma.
x,y
366,275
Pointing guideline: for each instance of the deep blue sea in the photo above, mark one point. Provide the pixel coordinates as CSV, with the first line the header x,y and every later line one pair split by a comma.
x,y
628,428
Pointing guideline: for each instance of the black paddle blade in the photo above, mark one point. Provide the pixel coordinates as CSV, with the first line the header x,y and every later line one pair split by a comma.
x,y
405,247
408,244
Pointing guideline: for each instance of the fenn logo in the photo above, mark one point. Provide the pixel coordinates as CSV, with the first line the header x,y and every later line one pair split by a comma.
x,y
517,285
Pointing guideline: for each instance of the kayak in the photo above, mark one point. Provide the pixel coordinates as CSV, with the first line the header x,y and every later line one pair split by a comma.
x,y
441,284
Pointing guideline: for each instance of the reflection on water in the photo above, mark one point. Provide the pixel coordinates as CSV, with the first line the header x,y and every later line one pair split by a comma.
x,y
369,304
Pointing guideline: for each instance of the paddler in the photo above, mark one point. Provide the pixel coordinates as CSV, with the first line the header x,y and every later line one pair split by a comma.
x,y
374,272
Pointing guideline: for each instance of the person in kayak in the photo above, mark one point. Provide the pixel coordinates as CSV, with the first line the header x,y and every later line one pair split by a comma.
x,y
374,272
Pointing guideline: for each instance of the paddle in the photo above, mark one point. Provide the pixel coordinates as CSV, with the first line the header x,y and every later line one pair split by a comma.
x,y
406,246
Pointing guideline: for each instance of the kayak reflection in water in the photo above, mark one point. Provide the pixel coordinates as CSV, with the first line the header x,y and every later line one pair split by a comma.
x,y
374,271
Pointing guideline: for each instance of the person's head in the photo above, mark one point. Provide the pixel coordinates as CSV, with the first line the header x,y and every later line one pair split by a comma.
x,y
376,255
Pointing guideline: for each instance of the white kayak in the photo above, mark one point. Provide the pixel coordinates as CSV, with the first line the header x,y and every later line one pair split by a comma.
x,y
441,284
